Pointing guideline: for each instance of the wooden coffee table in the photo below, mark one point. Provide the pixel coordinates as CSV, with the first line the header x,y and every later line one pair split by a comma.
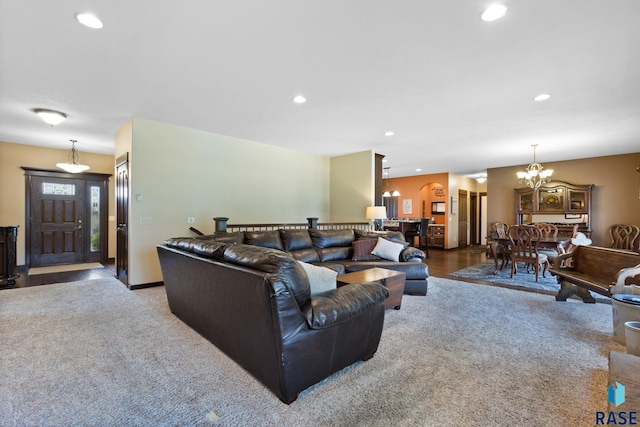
x,y
392,280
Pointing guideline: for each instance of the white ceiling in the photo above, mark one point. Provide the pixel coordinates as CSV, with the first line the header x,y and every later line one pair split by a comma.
x,y
456,91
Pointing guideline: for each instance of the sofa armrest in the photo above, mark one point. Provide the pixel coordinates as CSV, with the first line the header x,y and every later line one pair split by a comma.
x,y
342,304
412,253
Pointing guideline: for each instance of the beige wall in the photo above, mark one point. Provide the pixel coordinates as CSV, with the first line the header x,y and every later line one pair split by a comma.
x,y
176,173
352,186
12,184
616,195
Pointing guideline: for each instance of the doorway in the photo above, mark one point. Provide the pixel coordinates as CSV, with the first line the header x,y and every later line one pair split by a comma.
x,y
66,217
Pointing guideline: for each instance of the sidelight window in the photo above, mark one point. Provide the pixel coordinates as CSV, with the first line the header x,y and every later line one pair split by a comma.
x,y
94,219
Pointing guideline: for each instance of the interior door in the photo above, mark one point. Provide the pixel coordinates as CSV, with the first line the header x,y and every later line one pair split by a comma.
x,y
463,219
122,219
57,221
473,218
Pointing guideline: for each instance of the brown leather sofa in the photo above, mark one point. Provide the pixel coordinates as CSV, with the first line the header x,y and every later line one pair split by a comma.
x,y
337,249
254,304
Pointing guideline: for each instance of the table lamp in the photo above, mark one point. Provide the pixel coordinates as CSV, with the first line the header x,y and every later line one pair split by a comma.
x,y
376,212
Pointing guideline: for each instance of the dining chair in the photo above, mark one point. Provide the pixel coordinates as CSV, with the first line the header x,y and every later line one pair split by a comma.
x,y
524,248
499,230
548,230
624,237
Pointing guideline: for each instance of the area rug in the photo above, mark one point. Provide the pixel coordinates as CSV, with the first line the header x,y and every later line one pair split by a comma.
x,y
63,268
94,353
484,272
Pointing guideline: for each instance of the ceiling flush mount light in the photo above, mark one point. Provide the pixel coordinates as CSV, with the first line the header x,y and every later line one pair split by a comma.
x,y
534,176
50,117
299,99
389,133
73,166
481,179
89,20
493,12
542,97
393,192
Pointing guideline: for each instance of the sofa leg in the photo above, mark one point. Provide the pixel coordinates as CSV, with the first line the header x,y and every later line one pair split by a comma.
x,y
367,357
290,400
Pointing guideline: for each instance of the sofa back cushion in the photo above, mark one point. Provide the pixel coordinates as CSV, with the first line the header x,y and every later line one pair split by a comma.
x,y
333,245
266,239
182,243
293,240
210,248
235,237
331,238
287,270
298,243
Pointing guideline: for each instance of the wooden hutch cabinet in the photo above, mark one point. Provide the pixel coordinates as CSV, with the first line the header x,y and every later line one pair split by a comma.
x,y
8,238
558,202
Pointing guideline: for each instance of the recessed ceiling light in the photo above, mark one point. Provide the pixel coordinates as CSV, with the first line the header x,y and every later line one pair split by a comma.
x,y
418,170
89,20
388,133
299,99
50,117
493,12
542,97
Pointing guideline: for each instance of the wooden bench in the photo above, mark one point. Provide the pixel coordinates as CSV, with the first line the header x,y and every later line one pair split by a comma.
x,y
590,268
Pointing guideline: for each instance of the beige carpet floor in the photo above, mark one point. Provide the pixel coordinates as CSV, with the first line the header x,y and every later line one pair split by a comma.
x,y
94,353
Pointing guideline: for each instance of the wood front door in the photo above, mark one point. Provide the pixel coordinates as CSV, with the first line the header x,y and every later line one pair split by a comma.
x,y
66,217
57,216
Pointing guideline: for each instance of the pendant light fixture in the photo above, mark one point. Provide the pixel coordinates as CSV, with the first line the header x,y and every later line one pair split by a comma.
x,y
393,192
73,166
534,176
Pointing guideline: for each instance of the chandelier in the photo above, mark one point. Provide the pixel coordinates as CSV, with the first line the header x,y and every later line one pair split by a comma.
x,y
73,166
534,176
388,193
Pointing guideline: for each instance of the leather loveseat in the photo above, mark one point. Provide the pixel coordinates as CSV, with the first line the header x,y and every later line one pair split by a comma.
x,y
254,304
345,250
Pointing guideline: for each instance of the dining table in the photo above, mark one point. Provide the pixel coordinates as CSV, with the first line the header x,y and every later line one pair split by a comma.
x,y
558,243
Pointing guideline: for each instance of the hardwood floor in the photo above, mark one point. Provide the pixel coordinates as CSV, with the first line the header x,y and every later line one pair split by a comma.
x,y
440,262
25,280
